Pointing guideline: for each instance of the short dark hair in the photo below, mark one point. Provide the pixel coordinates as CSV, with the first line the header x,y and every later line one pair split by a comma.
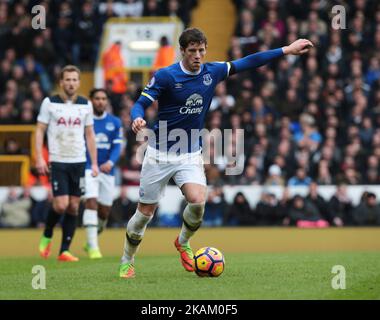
x,y
94,91
192,35
69,68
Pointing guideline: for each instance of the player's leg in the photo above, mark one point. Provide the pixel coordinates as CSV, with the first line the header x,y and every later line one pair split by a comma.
x,y
105,199
68,229
135,232
90,215
192,182
103,214
60,203
195,195
91,225
154,178
76,188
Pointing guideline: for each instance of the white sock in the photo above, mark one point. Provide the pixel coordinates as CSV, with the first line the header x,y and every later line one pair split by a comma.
x,y
135,231
90,222
192,216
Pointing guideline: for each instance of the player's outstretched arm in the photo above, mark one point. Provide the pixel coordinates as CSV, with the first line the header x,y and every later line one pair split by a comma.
x,y
298,47
255,60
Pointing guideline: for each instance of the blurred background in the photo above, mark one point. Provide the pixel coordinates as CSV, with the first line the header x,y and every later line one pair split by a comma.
x,y
311,123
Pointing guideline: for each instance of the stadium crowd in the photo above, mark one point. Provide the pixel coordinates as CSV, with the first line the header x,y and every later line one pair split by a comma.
x,y
307,120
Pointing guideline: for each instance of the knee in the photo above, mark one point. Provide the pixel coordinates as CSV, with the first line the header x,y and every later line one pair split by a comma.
x,y
73,208
60,207
147,209
195,195
91,204
104,212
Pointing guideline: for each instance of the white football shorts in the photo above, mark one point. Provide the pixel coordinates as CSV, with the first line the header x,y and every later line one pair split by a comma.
x,y
156,173
101,187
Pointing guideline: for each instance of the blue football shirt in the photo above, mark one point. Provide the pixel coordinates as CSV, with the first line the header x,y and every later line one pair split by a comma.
x,y
184,98
109,137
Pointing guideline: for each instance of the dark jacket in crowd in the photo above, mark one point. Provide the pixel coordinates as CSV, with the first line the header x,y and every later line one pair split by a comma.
x,y
267,211
303,210
240,212
321,204
342,210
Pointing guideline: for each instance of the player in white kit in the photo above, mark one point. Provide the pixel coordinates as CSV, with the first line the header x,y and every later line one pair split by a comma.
x,y
68,120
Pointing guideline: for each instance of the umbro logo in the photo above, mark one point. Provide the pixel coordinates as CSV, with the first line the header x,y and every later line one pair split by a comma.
x,y
178,86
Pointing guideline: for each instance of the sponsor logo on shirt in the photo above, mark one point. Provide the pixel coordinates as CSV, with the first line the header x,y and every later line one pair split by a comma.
x,y
102,141
194,104
69,122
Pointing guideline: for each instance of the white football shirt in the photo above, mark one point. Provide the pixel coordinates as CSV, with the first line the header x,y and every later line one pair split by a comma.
x,y
66,127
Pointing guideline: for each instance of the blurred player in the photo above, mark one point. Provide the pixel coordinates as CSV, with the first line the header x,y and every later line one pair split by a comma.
x,y
100,189
184,91
68,120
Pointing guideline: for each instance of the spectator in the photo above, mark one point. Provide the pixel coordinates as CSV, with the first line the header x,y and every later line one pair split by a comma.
x,y
308,137
305,215
215,208
15,209
12,147
300,179
165,55
40,208
152,9
267,210
275,178
114,68
85,36
318,201
250,176
340,207
367,213
240,212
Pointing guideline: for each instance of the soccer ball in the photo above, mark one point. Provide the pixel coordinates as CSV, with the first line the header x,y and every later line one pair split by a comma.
x,y
209,262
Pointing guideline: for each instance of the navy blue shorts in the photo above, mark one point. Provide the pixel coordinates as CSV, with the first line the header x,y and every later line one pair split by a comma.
x,y
67,178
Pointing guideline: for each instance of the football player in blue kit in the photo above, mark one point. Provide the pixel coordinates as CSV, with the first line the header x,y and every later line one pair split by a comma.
x,y
184,91
99,190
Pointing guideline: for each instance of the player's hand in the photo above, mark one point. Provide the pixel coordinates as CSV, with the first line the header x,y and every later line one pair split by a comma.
x,y
106,167
298,47
138,124
42,167
94,170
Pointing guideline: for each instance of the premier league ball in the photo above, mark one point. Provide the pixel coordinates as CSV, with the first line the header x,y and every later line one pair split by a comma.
x,y
209,262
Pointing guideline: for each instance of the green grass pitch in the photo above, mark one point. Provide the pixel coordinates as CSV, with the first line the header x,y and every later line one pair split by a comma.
x,y
246,276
